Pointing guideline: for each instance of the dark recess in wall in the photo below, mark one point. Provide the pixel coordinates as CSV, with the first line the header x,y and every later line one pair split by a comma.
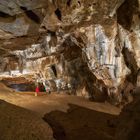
x,y
31,15
54,70
68,2
2,14
125,13
51,33
79,3
58,14
131,64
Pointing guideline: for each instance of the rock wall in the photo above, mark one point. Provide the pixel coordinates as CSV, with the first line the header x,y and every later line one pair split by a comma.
x,y
128,124
92,47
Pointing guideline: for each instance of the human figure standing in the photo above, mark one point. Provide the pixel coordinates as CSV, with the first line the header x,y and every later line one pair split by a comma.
x,y
36,91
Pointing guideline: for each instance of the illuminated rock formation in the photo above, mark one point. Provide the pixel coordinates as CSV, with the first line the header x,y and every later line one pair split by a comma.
x,y
93,46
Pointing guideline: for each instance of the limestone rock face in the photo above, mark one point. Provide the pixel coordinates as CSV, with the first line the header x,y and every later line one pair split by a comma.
x,y
92,46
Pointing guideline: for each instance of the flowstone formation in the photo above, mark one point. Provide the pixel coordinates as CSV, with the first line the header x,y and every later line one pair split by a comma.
x,y
89,47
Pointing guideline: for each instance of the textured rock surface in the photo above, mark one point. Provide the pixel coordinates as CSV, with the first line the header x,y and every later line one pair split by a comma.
x,y
18,124
93,46
128,127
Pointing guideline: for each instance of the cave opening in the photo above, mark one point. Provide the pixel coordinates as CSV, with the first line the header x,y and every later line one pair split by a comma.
x,y
58,14
53,67
23,87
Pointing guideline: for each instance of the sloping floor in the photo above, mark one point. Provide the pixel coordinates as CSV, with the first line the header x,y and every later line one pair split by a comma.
x,y
71,117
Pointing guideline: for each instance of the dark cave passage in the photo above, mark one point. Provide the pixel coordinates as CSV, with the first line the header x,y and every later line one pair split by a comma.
x,y
58,14
54,70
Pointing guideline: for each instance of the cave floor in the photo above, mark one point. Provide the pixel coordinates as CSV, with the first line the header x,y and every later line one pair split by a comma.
x,y
71,117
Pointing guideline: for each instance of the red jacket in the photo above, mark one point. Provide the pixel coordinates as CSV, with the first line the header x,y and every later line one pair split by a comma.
x,y
37,89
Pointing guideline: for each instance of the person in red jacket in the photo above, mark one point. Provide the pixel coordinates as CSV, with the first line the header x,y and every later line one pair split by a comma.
x,y
36,91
